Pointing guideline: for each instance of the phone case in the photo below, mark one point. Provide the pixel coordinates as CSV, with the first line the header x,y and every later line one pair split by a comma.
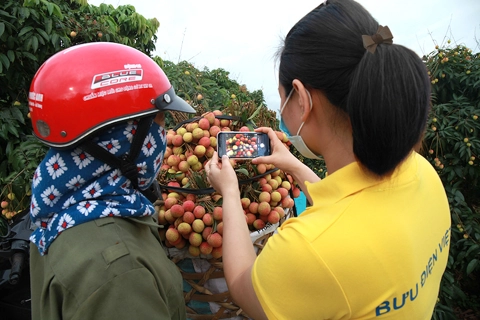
x,y
243,145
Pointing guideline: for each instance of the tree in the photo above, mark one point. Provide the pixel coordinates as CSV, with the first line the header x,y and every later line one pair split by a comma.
x,y
30,33
452,145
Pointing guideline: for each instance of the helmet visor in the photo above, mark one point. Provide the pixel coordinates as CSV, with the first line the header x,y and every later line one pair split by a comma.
x,y
170,101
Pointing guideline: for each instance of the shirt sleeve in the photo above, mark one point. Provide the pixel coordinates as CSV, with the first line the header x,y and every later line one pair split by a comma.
x,y
292,281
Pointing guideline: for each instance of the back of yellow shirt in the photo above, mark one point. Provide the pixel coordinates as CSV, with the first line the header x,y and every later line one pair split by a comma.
x,y
366,249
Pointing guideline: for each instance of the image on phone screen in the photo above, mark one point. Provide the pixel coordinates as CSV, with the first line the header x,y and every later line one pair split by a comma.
x,y
242,145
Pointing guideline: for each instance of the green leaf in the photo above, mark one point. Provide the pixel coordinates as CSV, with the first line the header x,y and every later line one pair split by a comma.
x,y
30,2
55,39
459,195
11,55
459,171
28,44
13,130
24,30
6,14
111,24
48,26
25,12
242,170
50,7
2,28
471,266
43,33
18,115
472,248
257,111
34,43
29,55
57,11
5,61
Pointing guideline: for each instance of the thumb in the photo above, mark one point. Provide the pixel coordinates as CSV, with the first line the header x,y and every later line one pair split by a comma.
x,y
226,162
259,160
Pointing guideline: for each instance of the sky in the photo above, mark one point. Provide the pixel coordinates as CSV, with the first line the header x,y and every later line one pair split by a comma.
x,y
242,37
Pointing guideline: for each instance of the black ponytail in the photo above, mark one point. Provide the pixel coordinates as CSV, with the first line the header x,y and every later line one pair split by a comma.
x,y
388,106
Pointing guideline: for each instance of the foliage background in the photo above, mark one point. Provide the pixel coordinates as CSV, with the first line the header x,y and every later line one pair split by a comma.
x,y
33,30
452,145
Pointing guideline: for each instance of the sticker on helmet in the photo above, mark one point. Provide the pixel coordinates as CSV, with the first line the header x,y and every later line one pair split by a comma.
x,y
35,99
116,77
133,66
104,93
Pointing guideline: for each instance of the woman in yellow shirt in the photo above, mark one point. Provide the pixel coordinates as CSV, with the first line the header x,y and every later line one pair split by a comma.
x,y
374,242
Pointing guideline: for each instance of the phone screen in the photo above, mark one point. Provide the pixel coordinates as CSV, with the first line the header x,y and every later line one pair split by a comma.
x,y
242,145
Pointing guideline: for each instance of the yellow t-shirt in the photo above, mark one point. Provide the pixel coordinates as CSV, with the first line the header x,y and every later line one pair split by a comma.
x,y
365,249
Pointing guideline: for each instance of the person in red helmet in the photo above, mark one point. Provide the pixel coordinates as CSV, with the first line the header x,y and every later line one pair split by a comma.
x,y
95,252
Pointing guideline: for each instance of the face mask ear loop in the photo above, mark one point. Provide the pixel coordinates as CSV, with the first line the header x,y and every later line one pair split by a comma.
x,y
310,98
286,101
300,128
311,106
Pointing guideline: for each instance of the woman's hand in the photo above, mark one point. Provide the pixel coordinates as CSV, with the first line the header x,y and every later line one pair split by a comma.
x,y
221,175
238,252
281,157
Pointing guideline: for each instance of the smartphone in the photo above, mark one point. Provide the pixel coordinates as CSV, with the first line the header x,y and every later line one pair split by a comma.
x,y
241,145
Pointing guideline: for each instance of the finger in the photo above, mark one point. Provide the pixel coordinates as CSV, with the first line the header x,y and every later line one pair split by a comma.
x,y
208,163
264,159
262,129
269,131
226,162
212,163
214,158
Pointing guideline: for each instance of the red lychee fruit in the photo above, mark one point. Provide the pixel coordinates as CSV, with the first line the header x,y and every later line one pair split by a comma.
x,y
188,217
273,217
217,213
199,211
177,210
264,208
207,219
204,124
198,225
217,252
185,228
259,224
205,248
195,239
215,240
172,235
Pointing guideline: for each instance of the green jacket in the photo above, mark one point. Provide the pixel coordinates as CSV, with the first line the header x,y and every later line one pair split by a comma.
x,y
110,268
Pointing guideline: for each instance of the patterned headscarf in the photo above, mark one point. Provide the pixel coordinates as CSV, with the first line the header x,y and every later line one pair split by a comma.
x,y
71,187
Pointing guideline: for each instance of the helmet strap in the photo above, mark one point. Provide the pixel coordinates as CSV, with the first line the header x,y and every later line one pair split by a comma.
x,y
127,162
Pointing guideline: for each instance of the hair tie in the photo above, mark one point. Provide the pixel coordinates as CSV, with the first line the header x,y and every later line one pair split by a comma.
x,y
383,35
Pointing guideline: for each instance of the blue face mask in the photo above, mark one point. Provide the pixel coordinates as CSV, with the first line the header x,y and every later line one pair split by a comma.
x,y
297,140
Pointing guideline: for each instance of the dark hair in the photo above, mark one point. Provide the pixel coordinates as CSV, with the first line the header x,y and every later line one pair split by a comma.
x,y
385,94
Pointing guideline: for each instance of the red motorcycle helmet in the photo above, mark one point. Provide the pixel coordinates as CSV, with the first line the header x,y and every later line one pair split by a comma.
x,y
87,87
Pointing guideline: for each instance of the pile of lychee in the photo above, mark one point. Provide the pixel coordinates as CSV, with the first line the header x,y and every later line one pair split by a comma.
x,y
6,212
191,210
